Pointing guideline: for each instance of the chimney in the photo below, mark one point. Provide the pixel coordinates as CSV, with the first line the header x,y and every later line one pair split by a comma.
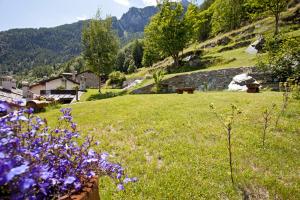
x,y
7,83
82,83
14,84
74,73
25,89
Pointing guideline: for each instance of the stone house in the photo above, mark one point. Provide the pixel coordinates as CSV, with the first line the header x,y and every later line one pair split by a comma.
x,y
90,78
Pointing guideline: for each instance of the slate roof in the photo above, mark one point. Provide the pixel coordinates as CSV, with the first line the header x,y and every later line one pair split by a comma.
x,y
12,96
51,79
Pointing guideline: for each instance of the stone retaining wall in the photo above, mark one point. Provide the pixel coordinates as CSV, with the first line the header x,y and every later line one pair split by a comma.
x,y
210,80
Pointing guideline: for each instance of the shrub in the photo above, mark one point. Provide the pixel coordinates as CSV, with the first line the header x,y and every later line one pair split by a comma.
x,y
38,162
294,85
158,77
228,123
132,68
285,101
116,78
267,117
283,57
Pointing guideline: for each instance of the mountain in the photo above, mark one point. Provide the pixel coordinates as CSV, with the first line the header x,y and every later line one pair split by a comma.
x,y
23,49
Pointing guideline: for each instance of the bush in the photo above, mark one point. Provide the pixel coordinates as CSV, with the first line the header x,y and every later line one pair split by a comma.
x,y
294,85
158,77
283,57
116,78
131,69
38,162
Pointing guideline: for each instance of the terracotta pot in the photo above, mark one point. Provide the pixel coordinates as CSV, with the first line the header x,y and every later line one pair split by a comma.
x,y
89,192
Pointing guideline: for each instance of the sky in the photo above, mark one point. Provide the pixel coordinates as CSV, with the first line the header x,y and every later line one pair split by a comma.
x,y
50,13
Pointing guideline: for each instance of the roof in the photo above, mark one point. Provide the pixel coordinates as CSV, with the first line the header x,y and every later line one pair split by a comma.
x,y
61,96
86,71
11,97
53,78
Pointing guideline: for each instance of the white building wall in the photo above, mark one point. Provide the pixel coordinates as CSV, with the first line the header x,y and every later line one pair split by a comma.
x,y
36,89
54,84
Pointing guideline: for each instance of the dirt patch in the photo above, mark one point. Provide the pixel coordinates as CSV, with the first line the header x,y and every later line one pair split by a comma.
x,y
255,193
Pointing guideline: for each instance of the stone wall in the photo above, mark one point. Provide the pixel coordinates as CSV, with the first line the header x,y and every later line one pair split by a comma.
x,y
210,80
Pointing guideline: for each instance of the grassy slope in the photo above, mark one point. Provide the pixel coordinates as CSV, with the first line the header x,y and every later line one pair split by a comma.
x,y
177,149
228,59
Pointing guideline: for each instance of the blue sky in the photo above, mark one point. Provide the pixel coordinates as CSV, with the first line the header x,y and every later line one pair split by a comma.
x,y
50,13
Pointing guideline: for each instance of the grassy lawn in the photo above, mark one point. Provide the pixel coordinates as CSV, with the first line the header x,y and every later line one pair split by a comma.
x,y
178,150
93,94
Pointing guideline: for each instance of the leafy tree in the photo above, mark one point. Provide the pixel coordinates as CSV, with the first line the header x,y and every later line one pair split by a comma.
x,y
206,4
100,46
120,60
199,21
227,15
253,9
137,53
276,7
151,54
168,31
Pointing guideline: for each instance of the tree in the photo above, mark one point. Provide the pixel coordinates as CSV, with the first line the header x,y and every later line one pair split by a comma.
x,y
100,46
227,15
120,60
254,10
168,31
150,55
199,21
276,7
137,53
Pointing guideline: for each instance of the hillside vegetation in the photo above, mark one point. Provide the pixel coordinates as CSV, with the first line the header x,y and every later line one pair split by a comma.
x,y
217,55
178,149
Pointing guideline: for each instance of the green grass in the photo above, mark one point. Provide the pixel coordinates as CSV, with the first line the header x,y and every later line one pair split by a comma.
x,y
234,58
177,148
93,94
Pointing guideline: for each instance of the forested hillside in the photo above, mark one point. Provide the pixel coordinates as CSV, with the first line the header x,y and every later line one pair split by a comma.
x,y
22,49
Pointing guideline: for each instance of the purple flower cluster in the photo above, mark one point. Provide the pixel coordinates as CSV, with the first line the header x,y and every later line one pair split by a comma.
x,y
37,162
3,107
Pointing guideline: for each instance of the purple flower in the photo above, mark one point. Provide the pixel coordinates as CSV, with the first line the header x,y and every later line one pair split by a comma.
x,y
128,180
104,156
27,183
16,171
37,162
3,106
77,186
120,187
29,111
69,180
